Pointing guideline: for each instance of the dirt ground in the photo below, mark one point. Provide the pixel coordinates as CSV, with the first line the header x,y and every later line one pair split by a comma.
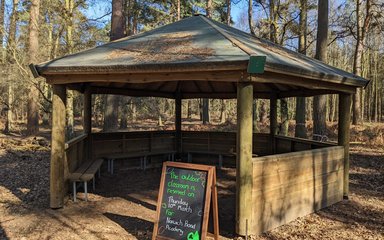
x,y
123,205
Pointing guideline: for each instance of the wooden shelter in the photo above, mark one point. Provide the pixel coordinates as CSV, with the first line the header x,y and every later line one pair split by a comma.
x,y
201,58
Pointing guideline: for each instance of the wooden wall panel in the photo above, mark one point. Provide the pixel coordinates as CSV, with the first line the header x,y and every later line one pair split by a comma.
x,y
75,154
291,185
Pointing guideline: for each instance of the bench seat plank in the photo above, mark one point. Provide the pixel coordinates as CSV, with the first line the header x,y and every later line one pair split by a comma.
x,y
75,176
91,171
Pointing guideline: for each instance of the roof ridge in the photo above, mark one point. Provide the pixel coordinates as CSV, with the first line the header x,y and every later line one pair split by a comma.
x,y
233,40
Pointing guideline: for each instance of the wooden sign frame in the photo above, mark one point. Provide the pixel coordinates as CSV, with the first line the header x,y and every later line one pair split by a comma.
x,y
210,198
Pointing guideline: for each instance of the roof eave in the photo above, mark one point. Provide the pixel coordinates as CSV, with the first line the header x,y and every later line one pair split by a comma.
x,y
45,70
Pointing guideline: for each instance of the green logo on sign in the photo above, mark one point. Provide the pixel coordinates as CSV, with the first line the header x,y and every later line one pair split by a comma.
x,y
193,236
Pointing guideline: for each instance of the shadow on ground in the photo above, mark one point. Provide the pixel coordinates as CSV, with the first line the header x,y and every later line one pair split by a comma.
x,y
137,227
3,235
354,214
26,174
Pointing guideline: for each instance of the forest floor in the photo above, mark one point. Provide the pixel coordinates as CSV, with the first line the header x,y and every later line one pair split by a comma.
x,y
123,205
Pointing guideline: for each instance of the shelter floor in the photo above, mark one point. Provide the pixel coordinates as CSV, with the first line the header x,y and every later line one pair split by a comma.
x,y
123,205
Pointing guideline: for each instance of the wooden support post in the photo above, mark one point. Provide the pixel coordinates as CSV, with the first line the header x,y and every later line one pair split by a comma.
x,y
57,147
244,178
87,122
178,106
343,136
273,122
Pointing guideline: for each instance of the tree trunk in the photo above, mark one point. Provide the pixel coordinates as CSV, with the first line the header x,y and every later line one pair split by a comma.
x,y
284,117
223,111
133,110
69,6
255,115
70,132
128,16
11,47
320,102
263,115
178,10
2,30
356,119
117,21
209,8
56,43
8,120
124,113
361,28
300,129
111,108
273,21
228,12
376,101
205,110
33,95
189,109
250,17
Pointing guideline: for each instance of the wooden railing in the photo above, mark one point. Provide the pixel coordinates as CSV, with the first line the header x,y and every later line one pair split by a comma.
x,y
105,143
285,144
208,141
132,142
222,142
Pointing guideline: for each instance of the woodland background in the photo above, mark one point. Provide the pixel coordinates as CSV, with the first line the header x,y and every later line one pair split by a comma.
x,y
343,33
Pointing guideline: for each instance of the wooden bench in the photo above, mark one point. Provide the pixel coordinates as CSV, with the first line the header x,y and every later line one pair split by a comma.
x,y
142,155
85,173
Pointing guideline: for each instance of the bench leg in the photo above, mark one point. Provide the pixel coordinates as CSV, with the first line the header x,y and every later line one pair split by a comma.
x,y
112,163
86,191
173,157
145,162
74,191
189,158
109,165
93,183
220,161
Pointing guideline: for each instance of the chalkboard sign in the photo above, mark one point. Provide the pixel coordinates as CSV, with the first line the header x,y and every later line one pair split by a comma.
x,y
184,202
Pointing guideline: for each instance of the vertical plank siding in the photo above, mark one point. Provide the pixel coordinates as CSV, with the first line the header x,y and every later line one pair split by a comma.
x,y
291,185
76,152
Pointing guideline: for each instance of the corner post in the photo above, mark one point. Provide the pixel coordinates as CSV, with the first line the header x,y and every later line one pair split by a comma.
x,y
244,179
57,147
178,109
273,121
343,136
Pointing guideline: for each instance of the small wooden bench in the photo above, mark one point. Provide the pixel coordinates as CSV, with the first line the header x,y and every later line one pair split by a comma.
x,y
142,155
85,173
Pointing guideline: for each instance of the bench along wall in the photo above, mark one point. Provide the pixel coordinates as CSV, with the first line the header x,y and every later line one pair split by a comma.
x,y
291,185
